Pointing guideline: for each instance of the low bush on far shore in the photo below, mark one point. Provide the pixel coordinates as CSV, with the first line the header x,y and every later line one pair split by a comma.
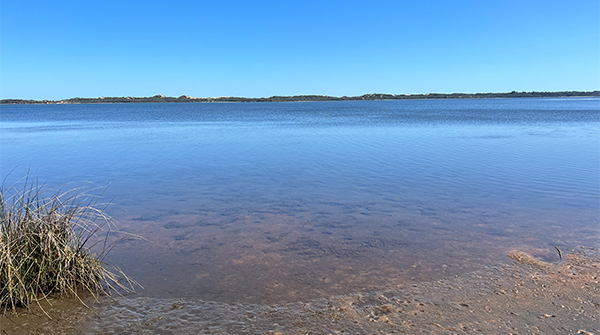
x,y
54,242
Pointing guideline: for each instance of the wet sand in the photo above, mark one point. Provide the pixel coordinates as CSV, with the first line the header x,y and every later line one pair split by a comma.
x,y
528,296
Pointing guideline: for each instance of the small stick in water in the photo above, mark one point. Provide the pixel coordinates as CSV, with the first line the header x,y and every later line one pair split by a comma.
x,y
559,252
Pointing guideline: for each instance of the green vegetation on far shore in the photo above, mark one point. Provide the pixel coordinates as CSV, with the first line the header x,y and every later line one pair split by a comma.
x,y
374,96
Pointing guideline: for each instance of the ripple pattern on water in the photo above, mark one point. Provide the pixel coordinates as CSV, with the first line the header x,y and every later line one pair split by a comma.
x,y
279,202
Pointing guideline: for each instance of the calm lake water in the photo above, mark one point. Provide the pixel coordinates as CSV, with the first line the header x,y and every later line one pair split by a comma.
x,y
279,202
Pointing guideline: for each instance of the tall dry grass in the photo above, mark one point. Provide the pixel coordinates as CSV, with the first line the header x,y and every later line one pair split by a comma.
x,y
54,242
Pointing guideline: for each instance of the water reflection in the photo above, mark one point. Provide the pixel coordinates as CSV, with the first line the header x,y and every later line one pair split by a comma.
x,y
292,201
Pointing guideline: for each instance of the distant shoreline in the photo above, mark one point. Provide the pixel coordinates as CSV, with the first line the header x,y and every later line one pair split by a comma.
x,y
304,98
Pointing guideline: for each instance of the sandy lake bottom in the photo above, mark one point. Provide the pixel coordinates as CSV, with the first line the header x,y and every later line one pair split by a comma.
x,y
528,296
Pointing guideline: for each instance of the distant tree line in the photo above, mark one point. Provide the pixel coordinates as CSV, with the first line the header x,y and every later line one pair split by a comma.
x,y
373,96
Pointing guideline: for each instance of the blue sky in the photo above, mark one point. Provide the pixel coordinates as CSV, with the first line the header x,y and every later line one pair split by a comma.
x,y
63,49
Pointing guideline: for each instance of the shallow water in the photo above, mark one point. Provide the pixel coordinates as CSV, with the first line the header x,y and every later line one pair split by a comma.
x,y
283,202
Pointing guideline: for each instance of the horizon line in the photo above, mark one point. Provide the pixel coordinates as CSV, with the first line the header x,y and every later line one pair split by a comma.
x,y
314,97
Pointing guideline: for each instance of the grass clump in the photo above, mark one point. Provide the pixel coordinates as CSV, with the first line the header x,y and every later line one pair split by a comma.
x,y
54,242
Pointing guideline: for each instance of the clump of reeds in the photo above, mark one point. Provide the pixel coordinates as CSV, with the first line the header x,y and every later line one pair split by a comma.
x,y
54,242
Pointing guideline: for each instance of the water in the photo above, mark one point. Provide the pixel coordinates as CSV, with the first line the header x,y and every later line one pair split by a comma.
x,y
281,202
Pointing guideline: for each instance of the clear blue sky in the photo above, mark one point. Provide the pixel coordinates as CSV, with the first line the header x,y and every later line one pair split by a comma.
x,y
63,49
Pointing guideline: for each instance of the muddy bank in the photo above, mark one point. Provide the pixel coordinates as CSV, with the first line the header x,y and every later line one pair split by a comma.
x,y
526,297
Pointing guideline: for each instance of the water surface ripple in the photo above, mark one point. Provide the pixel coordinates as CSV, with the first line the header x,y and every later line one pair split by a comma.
x,y
281,202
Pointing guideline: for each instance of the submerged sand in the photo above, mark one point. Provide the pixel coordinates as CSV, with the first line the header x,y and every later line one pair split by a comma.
x,y
528,296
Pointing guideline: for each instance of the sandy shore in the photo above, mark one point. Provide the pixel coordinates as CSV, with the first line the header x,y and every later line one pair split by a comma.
x,y
526,297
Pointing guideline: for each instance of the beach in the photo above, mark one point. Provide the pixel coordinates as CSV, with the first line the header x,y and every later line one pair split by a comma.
x,y
527,296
